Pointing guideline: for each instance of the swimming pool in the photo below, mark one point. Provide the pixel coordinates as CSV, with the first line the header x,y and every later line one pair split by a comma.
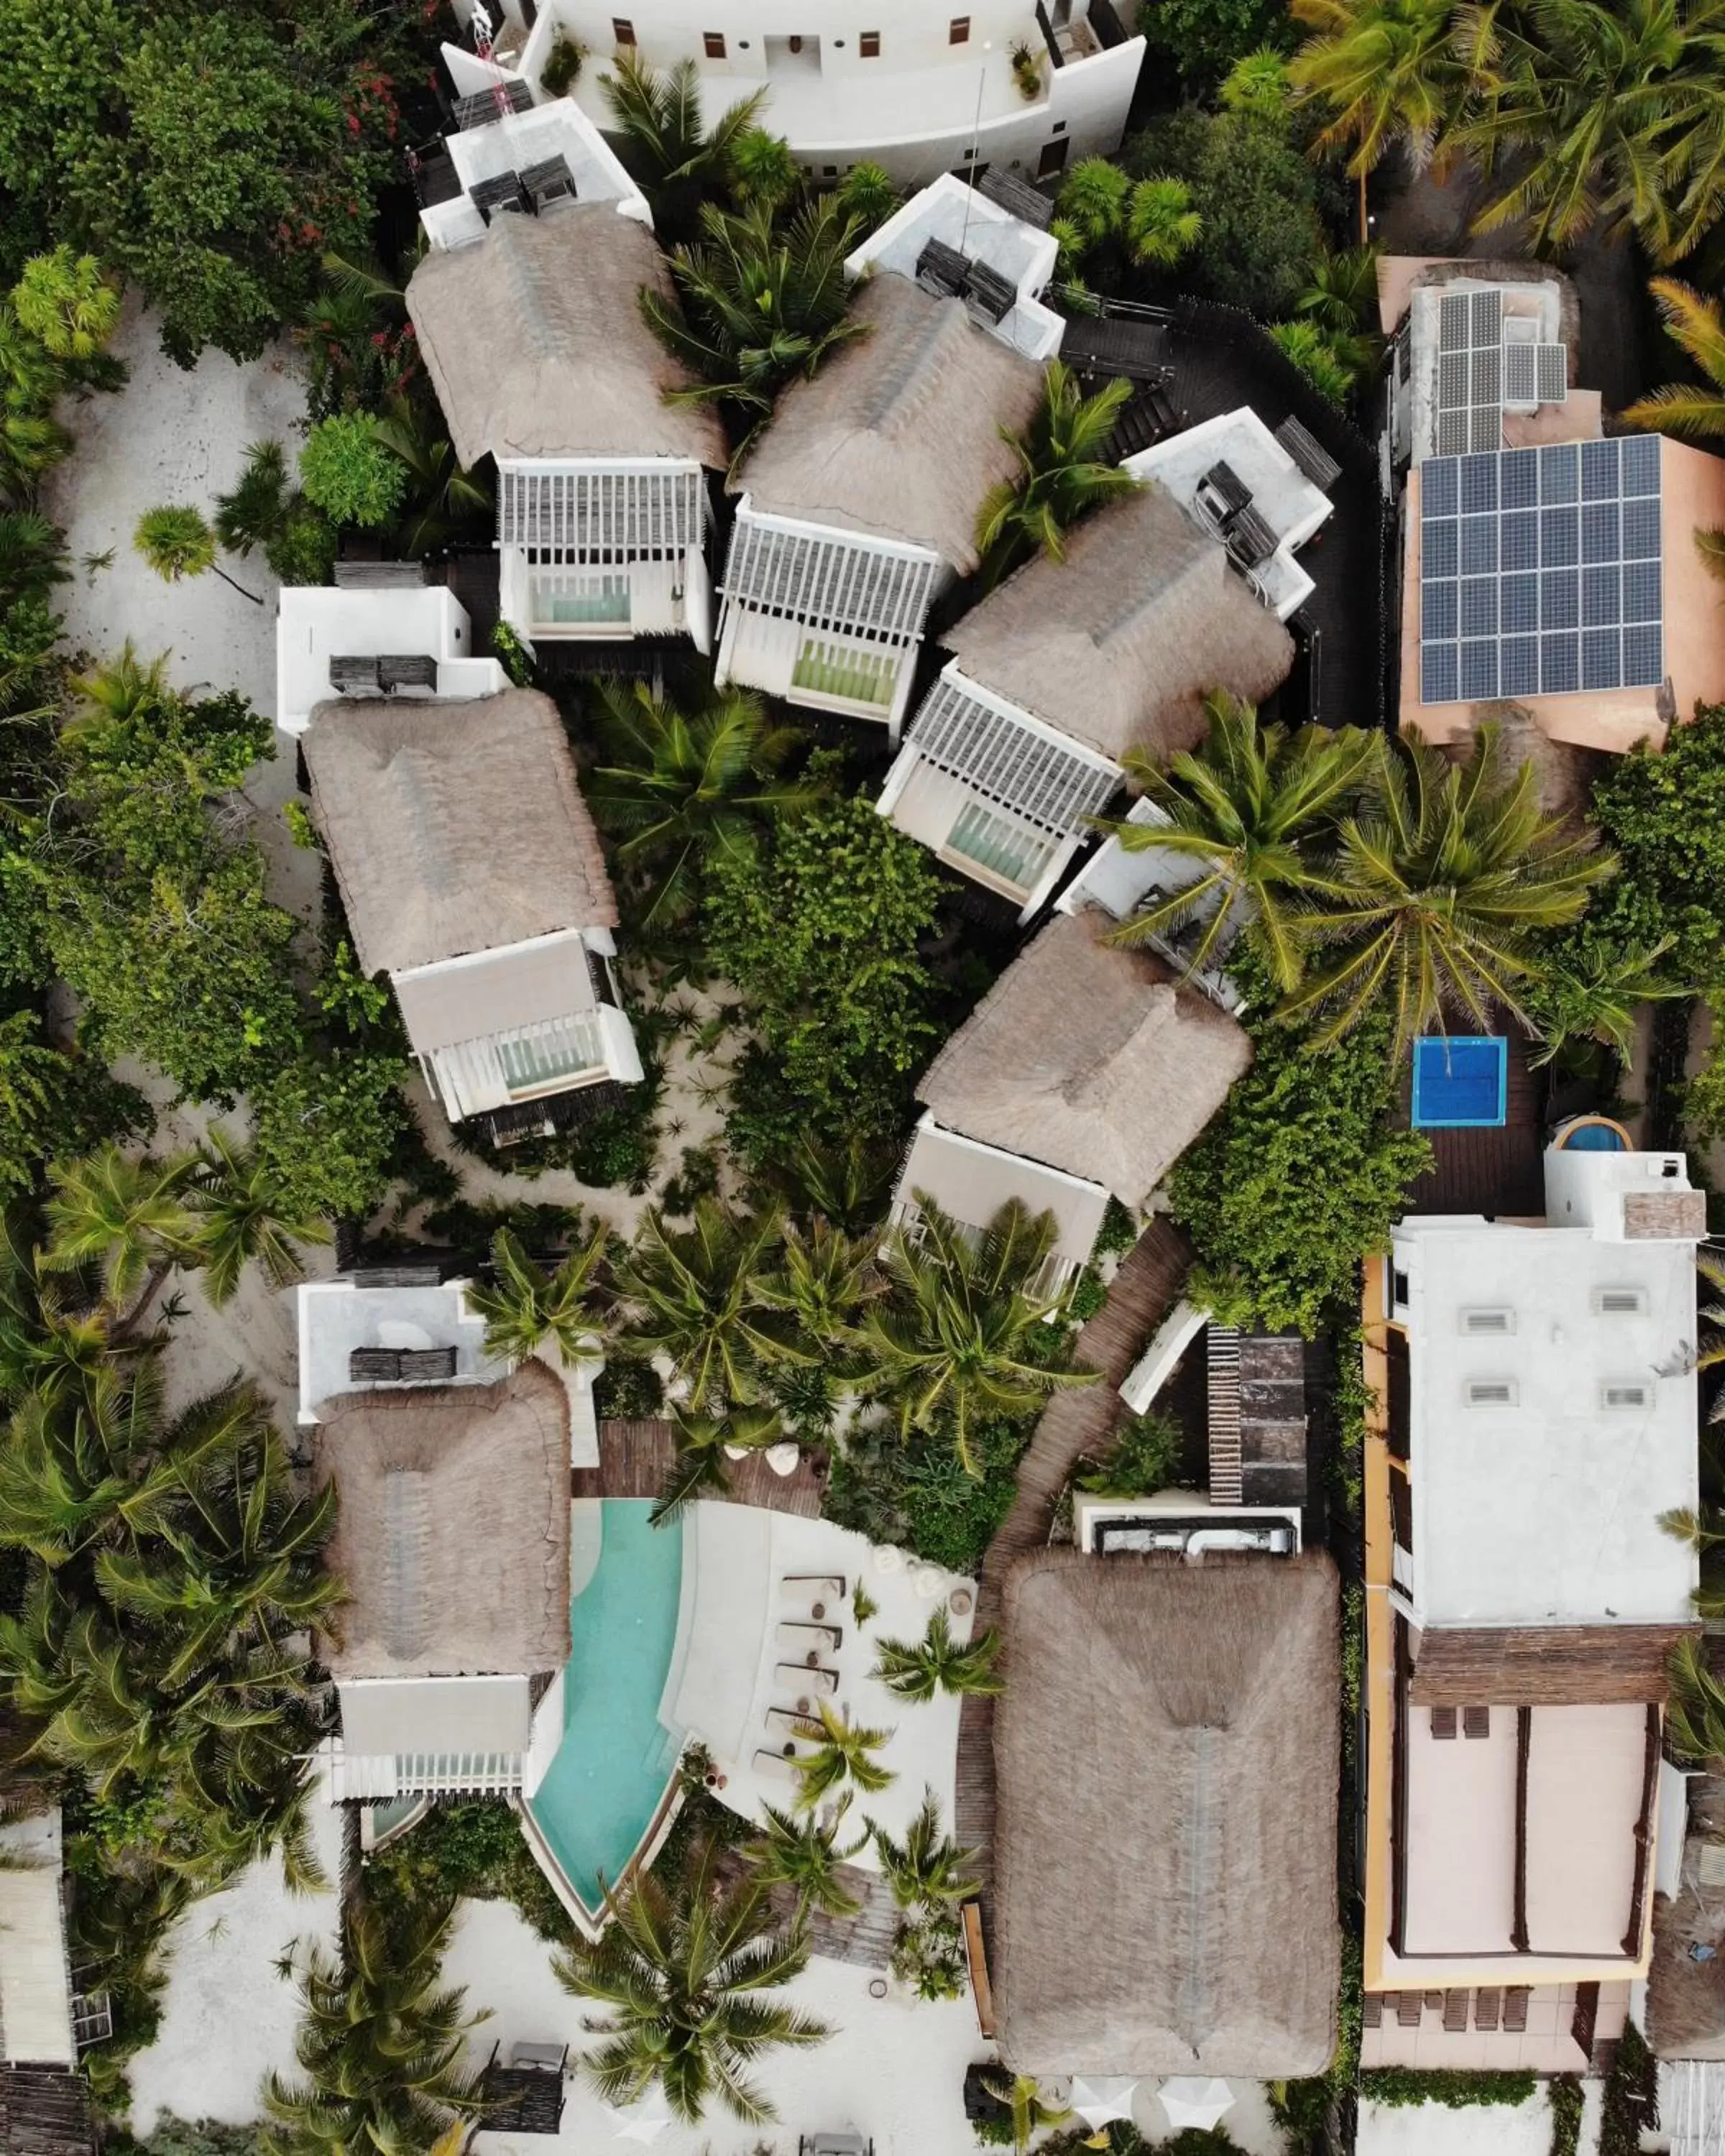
x,y
603,1791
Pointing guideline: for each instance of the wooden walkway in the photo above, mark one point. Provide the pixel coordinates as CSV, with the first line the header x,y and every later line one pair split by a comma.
x,y
1144,1290
636,1457
864,1940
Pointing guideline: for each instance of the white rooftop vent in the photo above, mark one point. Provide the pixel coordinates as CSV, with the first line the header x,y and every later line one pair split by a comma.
x,y
1498,1321
1622,1394
1620,1301
1490,1392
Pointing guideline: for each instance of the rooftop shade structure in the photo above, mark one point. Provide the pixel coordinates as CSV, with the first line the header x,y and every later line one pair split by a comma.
x,y
1540,572
1460,1084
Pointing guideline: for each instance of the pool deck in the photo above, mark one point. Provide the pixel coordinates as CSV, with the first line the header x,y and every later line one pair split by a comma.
x,y
1496,1170
635,1458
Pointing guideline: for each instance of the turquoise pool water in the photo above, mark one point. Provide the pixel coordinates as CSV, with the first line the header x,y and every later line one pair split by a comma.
x,y
616,1758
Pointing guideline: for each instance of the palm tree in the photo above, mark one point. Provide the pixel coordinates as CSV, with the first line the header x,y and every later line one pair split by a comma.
x,y
32,559
127,1216
960,1336
1031,2111
692,1294
84,1465
381,2045
1694,1713
804,1854
762,169
700,1463
1695,411
1343,296
844,1751
239,1214
927,1871
118,694
68,302
1387,73
1092,200
256,510
756,304
681,1964
1606,113
679,790
1161,226
919,1669
442,495
1591,992
823,1281
178,541
1245,808
524,1306
678,163
1062,475
1438,891
867,196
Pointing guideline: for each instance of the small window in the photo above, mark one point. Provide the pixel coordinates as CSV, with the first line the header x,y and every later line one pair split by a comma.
x,y
1498,1321
1443,1722
1476,1721
1490,1392
1058,128
868,45
622,31
1398,1288
1624,1394
1620,1301
958,30
830,171
714,41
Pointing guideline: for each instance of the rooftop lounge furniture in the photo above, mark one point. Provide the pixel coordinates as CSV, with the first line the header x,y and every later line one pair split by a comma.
x,y
811,1640
408,1366
810,1675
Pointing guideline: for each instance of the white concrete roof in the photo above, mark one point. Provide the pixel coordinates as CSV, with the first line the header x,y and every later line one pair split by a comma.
x,y
318,623
383,1717
971,1182
950,210
35,2007
1544,1508
337,1315
516,139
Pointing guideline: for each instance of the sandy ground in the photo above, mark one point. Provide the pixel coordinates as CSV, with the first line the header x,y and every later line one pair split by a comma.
x,y
227,2017
1432,2129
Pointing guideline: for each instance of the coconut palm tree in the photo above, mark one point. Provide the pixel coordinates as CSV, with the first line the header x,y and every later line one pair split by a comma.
x,y
692,1296
178,541
678,790
762,169
1387,73
920,1669
700,1465
523,1305
823,1280
1438,891
1161,227
844,1751
1249,807
680,163
804,1853
927,1870
1343,296
960,1335
1092,200
84,1465
1695,324
1062,475
682,1964
1610,114
1694,1712
33,560
867,195
1029,2110
442,495
240,1216
381,2045
1591,992
118,694
129,1216
756,304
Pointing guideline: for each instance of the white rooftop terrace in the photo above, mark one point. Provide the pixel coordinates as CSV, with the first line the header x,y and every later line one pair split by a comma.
x,y
952,211
1540,1504
318,623
1124,881
337,1315
1291,506
516,139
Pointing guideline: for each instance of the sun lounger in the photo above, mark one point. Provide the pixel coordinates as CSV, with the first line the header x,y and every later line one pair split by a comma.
x,y
784,1724
826,1586
798,1642
774,1767
797,1677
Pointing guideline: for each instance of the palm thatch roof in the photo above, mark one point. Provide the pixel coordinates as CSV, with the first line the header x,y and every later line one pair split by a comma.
x,y
1088,1058
1118,644
454,827
535,344
1563,775
453,1534
1165,1849
898,435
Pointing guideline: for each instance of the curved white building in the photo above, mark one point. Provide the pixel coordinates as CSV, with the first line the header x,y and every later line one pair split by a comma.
x,y
918,87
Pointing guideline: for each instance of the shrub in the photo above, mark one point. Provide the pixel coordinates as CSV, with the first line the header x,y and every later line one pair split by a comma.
x,y
929,1956
916,1494
1631,2099
628,1389
1563,2094
1118,1233
1203,38
1086,1297
329,1125
473,1848
1146,1458
562,65
1458,2089
179,2136
347,470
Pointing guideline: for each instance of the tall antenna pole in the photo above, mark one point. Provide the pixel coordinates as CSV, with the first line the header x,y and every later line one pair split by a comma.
x,y
976,142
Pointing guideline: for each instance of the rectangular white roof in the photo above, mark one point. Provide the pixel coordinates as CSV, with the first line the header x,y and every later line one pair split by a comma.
x,y
337,1315
318,623
388,1717
35,2004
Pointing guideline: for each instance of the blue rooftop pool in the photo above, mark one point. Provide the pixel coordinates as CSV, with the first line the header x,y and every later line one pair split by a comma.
x,y
1460,1084
603,1792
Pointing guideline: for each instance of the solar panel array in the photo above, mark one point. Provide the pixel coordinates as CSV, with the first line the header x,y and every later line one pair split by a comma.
x,y
1469,385
1535,374
1540,572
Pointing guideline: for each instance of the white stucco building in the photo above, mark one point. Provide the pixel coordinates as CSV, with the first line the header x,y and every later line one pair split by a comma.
x,y
409,638
918,88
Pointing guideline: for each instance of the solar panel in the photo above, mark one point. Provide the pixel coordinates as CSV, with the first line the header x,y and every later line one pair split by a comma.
x,y
1541,571
1469,373
1520,375
1552,373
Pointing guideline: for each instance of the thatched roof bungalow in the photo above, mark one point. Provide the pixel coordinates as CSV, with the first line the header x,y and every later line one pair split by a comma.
x,y
860,502
472,875
1090,1058
1165,1854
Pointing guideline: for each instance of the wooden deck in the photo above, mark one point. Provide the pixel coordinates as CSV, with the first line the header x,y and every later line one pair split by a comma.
x,y
635,1458
1144,1290
1500,1173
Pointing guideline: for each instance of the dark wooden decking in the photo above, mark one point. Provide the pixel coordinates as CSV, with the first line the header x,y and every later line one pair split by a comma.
x,y
635,1458
864,1940
1498,1173
1144,1290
